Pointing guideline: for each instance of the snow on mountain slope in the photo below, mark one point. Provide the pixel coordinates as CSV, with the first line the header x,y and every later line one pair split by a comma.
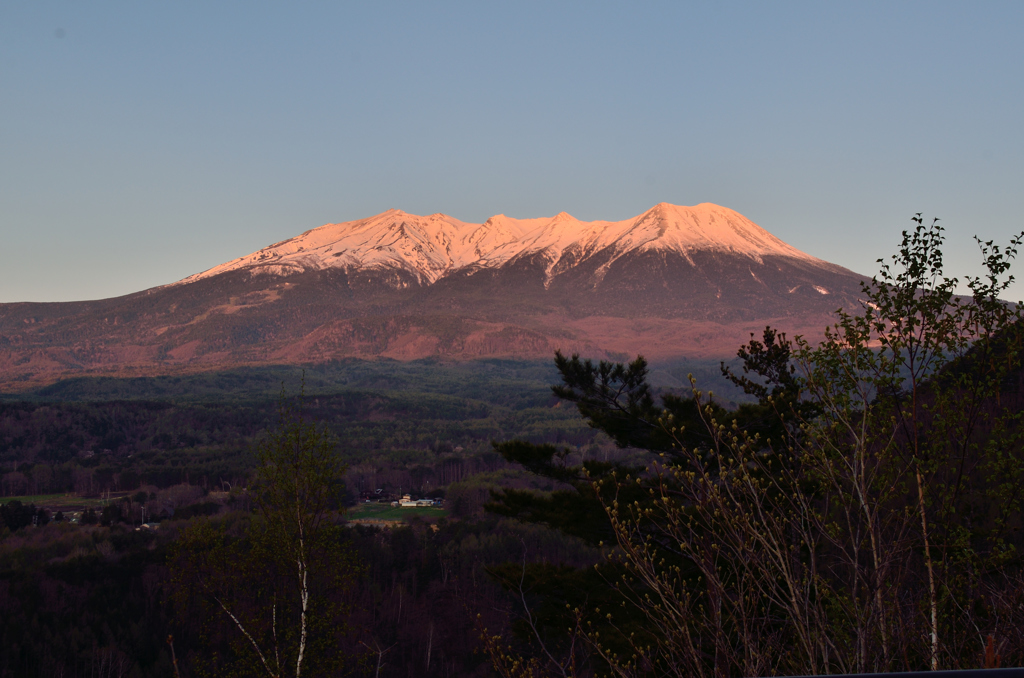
x,y
435,245
672,282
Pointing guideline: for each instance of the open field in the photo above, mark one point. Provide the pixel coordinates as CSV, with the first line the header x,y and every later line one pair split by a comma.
x,y
386,512
71,502
65,502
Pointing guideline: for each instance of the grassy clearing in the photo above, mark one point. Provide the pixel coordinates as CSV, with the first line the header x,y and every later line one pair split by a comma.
x,y
70,502
388,512
64,502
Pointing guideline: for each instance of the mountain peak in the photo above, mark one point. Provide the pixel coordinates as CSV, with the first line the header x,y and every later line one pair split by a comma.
x,y
672,281
431,247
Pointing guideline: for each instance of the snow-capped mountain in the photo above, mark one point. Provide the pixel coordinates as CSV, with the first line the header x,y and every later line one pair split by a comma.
x,y
673,281
433,246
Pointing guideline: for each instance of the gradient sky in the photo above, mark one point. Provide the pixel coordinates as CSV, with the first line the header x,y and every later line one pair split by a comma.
x,y
144,142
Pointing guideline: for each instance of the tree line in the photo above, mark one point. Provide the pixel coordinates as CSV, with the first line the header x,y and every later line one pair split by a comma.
x,y
863,516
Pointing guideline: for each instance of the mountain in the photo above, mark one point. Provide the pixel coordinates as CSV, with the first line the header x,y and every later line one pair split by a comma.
x,y
435,246
674,281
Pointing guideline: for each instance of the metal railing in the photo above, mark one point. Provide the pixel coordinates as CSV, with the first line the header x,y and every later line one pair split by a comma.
x,y
960,673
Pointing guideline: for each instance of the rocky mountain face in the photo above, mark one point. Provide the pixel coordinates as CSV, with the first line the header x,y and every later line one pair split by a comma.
x,y
671,282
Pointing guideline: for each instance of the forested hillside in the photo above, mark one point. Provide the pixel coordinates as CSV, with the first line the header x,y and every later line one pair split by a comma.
x,y
96,597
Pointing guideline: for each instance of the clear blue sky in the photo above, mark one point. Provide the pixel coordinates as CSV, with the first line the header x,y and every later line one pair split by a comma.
x,y
141,142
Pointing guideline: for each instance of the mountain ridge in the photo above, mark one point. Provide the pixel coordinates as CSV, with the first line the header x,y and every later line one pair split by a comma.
x,y
438,244
671,282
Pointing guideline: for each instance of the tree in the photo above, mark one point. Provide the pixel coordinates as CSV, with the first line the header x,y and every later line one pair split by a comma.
x,y
861,516
110,514
89,517
273,584
16,515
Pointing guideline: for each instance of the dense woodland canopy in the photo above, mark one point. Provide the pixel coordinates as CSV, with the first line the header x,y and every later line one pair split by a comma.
x,y
858,510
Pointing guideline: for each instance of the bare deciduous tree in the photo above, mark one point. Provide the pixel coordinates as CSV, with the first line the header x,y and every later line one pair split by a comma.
x,y
874,532
278,578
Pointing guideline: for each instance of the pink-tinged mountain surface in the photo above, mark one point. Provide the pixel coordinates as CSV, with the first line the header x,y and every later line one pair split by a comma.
x,y
672,282
434,246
